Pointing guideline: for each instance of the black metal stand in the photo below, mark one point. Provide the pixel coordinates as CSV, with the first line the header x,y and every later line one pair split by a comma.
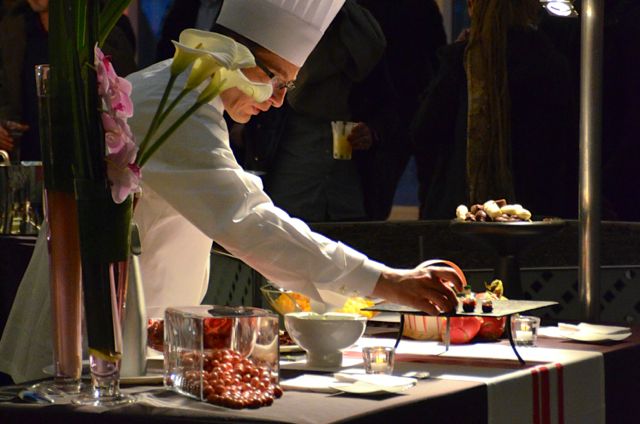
x,y
400,331
513,344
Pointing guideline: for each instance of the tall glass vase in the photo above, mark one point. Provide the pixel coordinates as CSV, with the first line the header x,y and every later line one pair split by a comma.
x,y
64,262
105,242
105,366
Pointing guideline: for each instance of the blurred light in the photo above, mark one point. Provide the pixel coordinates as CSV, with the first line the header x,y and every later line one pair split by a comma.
x,y
562,8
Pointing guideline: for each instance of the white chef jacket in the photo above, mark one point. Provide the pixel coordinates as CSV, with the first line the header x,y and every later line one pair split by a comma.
x,y
194,192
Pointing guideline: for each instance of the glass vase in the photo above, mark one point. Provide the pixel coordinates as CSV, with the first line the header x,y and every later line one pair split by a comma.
x,y
104,364
64,265
105,240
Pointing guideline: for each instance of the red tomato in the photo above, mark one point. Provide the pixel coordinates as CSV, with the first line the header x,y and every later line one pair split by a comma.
x,y
492,328
463,329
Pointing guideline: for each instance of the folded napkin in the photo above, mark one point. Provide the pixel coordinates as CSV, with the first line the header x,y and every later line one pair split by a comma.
x,y
349,382
586,332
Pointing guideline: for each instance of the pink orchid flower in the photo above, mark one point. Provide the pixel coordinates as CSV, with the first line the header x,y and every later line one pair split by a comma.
x,y
117,132
104,70
124,175
119,98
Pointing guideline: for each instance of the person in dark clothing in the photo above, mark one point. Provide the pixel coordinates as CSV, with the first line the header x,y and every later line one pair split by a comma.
x,y
344,79
183,14
510,133
26,24
415,32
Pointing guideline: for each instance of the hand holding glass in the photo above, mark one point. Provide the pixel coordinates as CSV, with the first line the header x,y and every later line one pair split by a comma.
x,y
342,146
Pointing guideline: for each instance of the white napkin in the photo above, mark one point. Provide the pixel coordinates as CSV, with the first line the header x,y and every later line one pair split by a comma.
x,y
586,332
349,382
310,383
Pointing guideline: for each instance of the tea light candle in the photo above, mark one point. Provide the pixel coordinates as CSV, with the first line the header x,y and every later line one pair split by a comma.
x,y
378,359
524,329
524,335
379,363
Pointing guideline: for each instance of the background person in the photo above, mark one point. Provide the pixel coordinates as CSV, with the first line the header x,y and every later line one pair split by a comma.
x,y
499,119
23,45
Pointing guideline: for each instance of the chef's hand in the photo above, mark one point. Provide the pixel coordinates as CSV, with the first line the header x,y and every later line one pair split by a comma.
x,y
430,289
360,137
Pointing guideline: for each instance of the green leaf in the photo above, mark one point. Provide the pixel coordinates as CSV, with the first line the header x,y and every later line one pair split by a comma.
x,y
109,17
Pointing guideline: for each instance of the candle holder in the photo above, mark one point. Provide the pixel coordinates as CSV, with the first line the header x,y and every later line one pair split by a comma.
x,y
378,359
525,330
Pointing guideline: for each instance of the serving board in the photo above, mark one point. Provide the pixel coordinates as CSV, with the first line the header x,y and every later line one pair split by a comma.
x,y
501,308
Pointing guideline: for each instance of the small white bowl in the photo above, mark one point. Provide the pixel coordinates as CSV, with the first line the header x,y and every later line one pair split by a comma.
x,y
324,336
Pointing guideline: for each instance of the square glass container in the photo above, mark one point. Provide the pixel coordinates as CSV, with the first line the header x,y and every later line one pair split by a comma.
x,y
224,355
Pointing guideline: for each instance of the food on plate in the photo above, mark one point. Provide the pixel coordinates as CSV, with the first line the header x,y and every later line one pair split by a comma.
x,y
354,305
292,302
493,211
462,329
284,302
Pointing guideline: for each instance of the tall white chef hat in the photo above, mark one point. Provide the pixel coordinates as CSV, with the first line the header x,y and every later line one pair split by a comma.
x,y
289,28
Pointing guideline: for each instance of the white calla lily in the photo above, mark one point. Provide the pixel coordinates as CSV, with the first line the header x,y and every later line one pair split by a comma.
x,y
203,67
235,78
183,57
229,53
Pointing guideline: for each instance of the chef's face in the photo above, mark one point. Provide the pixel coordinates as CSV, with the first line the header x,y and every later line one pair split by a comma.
x,y
241,107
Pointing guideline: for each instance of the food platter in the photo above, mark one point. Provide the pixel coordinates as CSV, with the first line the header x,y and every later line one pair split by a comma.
x,y
501,308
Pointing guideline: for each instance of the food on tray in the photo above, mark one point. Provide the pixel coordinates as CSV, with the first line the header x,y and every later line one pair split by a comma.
x,y
468,304
487,306
493,211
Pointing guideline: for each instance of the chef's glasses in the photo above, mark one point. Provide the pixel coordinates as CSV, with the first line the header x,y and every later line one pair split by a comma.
x,y
276,82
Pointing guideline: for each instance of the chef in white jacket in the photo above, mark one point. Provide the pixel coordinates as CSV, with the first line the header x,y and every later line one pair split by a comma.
x,y
194,191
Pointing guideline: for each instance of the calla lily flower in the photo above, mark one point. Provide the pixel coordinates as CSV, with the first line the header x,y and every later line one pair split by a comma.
x,y
203,67
235,78
195,43
225,79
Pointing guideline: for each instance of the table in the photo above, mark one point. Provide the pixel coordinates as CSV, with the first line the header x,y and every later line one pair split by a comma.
x,y
432,400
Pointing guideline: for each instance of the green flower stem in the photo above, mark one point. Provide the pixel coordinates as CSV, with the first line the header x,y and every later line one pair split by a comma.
x,y
144,157
173,104
156,118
